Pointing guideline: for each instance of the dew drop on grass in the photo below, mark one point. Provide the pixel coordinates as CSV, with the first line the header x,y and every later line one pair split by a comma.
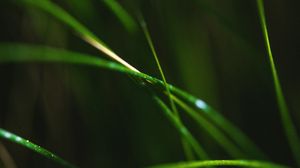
x,y
200,104
18,139
7,135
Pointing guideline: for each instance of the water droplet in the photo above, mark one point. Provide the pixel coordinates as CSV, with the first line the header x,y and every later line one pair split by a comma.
x,y
18,139
7,135
200,104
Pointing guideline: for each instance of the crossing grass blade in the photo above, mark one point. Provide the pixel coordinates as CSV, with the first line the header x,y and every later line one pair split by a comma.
x,y
238,136
85,33
219,163
185,133
150,43
289,127
143,24
36,148
212,130
88,36
28,53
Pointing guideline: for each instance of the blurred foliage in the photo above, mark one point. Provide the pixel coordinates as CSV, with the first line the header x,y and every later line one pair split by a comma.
x,y
97,118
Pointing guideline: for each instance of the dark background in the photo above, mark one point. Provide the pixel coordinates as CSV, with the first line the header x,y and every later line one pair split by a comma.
x,y
97,118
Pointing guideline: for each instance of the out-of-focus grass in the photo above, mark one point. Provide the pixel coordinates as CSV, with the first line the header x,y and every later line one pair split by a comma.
x,y
290,129
194,43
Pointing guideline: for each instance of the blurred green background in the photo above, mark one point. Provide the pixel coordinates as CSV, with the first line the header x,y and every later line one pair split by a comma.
x,y
96,118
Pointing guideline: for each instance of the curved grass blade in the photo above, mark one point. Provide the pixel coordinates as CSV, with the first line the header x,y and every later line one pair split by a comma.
x,y
124,17
88,36
237,135
26,143
29,53
289,127
231,163
229,128
218,136
185,133
85,33
143,24
150,43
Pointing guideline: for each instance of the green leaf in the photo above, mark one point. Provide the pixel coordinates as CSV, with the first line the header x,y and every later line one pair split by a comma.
x,y
173,106
185,133
240,138
231,163
28,53
85,33
212,130
36,148
289,127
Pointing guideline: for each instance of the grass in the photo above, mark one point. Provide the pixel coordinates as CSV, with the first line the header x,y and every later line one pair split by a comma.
x,y
290,129
232,163
84,33
218,136
186,147
183,130
23,53
26,143
236,144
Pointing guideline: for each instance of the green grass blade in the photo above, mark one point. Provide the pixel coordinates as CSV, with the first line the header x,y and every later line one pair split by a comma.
x,y
212,130
150,43
12,53
185,133
29,53
188,151
231,163
60,14
173,106
124,17
26,143
229,128
85,33
289,127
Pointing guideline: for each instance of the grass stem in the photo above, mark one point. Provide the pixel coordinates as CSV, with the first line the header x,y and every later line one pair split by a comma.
x,y
26,143
185,134
289,127
143,24
231,163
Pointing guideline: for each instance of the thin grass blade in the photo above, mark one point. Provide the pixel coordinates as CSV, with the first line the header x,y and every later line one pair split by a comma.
x,y
238,136
59,13
173,106
231,163
26,143
289,127
212,130
185,133
85,33
28,53
150,43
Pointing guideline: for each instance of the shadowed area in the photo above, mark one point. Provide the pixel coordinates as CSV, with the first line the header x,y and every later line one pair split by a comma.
x,y
95,117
